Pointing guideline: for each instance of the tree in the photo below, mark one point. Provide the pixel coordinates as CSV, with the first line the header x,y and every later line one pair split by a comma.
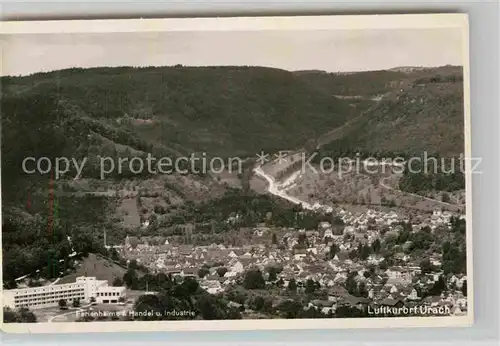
x,y
113,254
464,288
130,279
292,285
237,295
76,303
273,274
351,285
159,209
27,316
454,256
376,246
347,311
189,286
426,266
62,303
445,198
438,287
202,272
254,279
353,254
149,303
10,316
23,315
221,271
117,282
210,308
290,308
302,239
257,303
362,291
364,252
383,265
333,250
310,286
132,264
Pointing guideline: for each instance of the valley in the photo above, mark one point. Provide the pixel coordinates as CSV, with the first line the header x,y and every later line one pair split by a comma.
x,y
270,237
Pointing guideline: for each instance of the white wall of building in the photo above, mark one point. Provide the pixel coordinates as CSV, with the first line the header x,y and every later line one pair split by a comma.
x,y
46,296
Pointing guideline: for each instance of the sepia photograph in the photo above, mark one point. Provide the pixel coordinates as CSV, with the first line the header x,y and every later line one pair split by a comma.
x,y
271,172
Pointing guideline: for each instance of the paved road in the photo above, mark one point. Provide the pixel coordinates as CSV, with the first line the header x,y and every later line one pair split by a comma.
x,y
54,282
273,189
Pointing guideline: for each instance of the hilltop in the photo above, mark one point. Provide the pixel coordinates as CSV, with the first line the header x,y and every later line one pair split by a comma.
x,y
222,111
420,110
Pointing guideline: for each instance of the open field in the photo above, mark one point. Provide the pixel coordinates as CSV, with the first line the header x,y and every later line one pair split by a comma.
x,y
128,208
95,265
45,314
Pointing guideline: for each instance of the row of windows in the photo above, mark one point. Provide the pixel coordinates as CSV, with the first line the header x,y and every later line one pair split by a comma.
x,y
48,293
55,290
29,303
49,297
52,288
107,294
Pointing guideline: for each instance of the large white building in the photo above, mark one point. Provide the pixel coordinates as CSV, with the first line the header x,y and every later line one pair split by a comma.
x,y
83,289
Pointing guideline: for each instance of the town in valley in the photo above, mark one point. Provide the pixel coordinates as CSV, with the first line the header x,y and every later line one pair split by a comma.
x,y
256,235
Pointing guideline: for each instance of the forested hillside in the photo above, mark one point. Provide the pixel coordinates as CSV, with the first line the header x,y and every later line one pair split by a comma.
x,y
126,112
425,114
219,110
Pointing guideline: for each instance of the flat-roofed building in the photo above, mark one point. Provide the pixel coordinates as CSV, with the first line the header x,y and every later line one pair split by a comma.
x,y
83,289
109,294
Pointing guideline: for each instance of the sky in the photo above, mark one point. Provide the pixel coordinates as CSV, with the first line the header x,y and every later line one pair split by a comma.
x,y
328,50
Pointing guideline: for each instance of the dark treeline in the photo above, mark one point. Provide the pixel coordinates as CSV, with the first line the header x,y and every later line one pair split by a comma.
x,y
240,109
64,130
421,173
441,174
439,79
248,210
37,244
171,295
452,245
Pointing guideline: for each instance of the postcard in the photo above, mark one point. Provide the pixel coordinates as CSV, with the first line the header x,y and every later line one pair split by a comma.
x,y
242,173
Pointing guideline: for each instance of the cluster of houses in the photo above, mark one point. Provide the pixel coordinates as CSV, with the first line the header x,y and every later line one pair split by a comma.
x,y
362,220
397,285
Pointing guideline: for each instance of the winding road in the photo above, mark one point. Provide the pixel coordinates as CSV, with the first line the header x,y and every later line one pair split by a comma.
x,y
274,189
